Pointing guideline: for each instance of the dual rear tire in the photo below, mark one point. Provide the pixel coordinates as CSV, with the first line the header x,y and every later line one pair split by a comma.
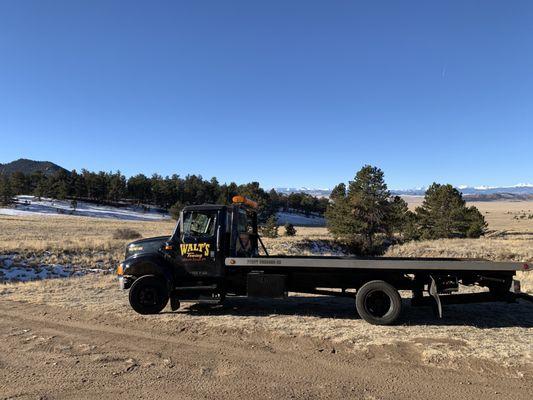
x,y
378,303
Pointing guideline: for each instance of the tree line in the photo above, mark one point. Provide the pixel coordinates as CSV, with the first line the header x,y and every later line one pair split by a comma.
x,y
365,214
170,193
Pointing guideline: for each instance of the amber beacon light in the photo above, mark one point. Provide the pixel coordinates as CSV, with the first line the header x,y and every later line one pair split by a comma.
x,y
244,200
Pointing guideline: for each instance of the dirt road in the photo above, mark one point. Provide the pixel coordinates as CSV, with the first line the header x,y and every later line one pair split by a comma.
x,y
58,341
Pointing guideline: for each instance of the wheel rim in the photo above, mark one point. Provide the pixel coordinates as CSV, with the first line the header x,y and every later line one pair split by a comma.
x,y
148,296
377,303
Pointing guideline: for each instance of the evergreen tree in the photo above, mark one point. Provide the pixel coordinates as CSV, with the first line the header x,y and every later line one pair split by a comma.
x,y
19,183
444,214
399,216
175,210
59,185
78,187
254,192
139,188
117,187
270,229
477,226
41,185
6,193
365,210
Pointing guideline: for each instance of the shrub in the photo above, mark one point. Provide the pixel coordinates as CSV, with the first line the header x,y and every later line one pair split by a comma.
x,y
126,234
289,230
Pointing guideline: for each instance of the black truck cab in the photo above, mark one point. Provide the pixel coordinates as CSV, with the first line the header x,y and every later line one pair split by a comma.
x,y
190,263
207,234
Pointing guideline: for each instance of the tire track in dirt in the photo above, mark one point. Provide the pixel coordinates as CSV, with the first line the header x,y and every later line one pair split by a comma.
x,y
55,352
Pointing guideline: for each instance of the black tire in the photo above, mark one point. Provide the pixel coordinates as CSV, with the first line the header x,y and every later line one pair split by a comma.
x,y
378,303
500,288
148,295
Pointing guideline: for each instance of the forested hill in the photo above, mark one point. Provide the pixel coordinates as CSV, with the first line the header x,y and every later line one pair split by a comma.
x,y
170,192
28,167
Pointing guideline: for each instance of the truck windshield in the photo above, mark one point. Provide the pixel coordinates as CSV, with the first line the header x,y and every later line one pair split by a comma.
x,y
199,223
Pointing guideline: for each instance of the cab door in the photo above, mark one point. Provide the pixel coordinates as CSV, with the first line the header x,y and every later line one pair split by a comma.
x,y
200,239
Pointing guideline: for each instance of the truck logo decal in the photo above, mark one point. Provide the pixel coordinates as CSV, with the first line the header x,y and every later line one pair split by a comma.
x,y
195,251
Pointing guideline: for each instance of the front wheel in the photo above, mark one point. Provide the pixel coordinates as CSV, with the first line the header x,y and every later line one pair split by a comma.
x,y
378,303
148,295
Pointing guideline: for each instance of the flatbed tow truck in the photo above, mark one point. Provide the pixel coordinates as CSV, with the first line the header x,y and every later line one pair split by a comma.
x,y
214,252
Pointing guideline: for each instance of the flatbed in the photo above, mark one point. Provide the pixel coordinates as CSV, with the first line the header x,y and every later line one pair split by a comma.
x,y
215,253
376,263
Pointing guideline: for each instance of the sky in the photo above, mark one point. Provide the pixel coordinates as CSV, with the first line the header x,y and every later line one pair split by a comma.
x,y
287,93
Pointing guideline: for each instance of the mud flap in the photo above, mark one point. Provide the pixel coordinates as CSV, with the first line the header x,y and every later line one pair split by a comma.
x,y
433,292
174,303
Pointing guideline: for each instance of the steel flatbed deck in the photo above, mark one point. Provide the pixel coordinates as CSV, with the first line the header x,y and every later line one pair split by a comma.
x,y
378,263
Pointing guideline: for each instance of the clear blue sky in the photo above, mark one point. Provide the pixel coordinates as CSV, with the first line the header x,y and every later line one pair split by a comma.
x,y
289,93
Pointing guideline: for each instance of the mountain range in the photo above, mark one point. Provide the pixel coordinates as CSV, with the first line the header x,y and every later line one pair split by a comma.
x,y
523,191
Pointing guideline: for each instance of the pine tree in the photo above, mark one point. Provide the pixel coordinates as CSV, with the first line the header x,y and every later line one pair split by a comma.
x,y
19,183
6,193
270,229
398,216
175,210
365,210
477,226
117,186
444,214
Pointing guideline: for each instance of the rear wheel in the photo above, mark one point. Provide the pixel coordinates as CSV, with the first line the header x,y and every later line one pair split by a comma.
x,y
148,295
378,303
500,288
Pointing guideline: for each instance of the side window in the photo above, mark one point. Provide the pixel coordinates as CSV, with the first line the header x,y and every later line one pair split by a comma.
x,y
199,224
245,223
245,239
229,214
241,226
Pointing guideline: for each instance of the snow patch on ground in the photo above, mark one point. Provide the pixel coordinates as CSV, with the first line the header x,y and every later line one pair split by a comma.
x,y
30,205
299,219
12,270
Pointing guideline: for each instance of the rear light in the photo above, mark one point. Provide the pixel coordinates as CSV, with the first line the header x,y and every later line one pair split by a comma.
x,y
168,247
525,267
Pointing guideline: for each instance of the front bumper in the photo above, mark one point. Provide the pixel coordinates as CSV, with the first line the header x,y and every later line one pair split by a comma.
x,y
124,282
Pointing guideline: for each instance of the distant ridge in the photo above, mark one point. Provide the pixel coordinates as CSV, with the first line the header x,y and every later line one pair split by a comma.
x,y
30,166
518,192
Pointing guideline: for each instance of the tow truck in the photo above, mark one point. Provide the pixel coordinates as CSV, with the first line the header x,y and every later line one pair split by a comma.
x,y
215,252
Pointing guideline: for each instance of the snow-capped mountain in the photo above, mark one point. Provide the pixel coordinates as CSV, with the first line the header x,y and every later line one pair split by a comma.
x,y
519,191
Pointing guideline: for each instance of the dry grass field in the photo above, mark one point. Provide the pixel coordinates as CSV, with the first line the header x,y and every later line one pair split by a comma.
x,y
90,242
85,341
